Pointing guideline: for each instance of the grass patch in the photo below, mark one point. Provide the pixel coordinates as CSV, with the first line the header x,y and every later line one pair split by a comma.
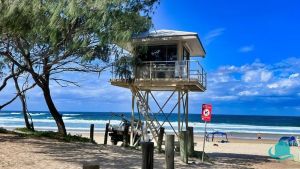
x,y
25,130
3,130
52,135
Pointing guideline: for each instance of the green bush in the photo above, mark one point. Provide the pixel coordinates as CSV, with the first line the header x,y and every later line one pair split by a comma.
x,y
3,130
53,135
25,130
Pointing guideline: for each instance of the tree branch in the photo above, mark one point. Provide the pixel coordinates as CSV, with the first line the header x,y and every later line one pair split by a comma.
x,y
16,96
58,81
4,83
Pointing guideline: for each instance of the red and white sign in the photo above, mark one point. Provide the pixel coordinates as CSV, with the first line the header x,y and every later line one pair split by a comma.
x,y
206,112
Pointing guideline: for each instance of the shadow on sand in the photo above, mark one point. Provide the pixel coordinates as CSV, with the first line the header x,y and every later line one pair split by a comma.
x,y
118,157
231,160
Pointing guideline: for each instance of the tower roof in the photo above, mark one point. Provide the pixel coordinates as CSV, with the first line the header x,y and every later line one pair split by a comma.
x,y
164,33
190,39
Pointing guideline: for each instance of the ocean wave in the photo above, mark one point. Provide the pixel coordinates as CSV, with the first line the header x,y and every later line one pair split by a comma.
x,y
46,128
240,126
228,131
38,114
198,127
200,132
167,130
15,113
72,114
67,120
4,114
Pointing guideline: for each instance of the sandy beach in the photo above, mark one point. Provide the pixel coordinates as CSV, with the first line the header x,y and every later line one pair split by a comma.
x,y
28,153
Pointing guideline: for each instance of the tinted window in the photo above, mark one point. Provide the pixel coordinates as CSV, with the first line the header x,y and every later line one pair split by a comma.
x,y
157,53
171,53
186,54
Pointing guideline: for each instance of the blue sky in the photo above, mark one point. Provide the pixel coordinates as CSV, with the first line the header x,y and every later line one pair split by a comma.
x,y
253,60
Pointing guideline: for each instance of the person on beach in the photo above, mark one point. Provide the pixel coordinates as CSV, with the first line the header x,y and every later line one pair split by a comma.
x,y
258,136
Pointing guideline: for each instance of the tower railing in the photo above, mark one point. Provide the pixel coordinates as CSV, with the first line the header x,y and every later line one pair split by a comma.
x,y
187,70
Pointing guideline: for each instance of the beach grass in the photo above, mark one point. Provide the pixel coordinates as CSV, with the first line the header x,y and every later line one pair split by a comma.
x,y
3,130
51,135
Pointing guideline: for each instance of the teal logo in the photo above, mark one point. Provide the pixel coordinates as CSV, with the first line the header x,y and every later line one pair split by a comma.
x,y
281,151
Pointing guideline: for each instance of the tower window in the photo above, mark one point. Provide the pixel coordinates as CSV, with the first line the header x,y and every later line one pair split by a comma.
x,y
157,53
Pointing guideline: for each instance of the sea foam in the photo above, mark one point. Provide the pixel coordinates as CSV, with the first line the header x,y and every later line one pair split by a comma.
x,y
82,124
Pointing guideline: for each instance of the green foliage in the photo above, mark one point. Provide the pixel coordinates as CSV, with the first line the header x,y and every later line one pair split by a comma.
x,y
75,138
48,37
3,130
24,129
123,67
52,135
74,27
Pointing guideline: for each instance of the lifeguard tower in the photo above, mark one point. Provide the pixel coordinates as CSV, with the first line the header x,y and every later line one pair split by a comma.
x,y
164,63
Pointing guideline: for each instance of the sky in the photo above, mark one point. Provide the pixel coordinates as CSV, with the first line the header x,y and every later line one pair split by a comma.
x,y
252,61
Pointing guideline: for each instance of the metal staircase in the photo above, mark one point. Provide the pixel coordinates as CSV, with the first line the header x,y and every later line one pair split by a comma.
x,y
144,109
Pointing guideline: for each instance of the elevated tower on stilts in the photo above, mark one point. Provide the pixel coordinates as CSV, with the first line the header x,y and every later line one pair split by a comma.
x,y
164,63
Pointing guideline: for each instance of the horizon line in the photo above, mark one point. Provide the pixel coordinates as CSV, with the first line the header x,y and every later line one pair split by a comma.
x,y
137,112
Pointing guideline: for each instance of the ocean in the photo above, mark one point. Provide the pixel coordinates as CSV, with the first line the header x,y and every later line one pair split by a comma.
x,y
80,121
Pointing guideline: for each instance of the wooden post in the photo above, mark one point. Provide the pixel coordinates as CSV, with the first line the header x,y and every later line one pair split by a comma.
x,y
92,133
132,120
160,138
147,152
169,151
106,133
190,145
90,166
202,159
125,136
187,109
183,146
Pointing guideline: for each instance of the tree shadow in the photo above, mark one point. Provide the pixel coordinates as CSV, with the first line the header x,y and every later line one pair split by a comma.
x,y
231,160
119,157
10,138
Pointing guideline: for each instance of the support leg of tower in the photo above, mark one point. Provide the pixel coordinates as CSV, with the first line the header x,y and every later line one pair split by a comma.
x,y
187,109
132,120
179,100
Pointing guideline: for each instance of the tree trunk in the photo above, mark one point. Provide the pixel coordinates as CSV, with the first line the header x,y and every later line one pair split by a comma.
x,y
24,106
55,114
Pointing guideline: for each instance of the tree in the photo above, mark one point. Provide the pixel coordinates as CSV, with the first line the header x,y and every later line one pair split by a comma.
x,y
22,97
46,38
11,73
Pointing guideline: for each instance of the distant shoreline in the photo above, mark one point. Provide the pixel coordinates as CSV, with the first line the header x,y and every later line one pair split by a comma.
x,y
231,135
235,126
119,112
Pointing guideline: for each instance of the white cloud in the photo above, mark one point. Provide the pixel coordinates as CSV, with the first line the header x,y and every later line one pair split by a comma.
x,y
248,93
294,75
265,76
273,86
256,79
251,76
258,75
246,49
224,98
284,83
212,35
